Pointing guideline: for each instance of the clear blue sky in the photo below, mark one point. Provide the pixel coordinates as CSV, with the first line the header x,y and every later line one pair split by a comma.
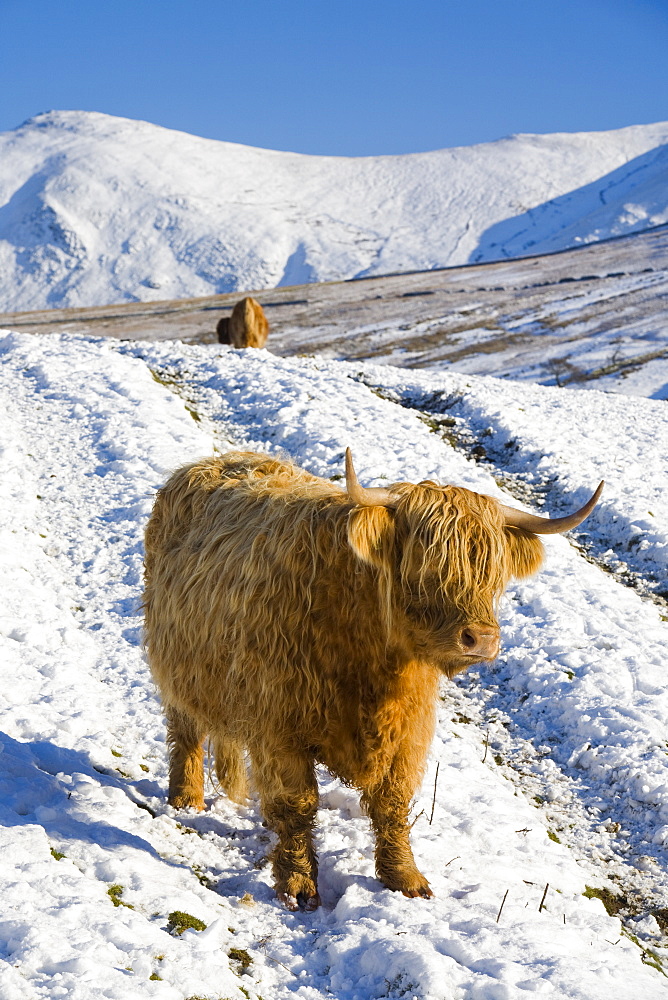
x,y
345,77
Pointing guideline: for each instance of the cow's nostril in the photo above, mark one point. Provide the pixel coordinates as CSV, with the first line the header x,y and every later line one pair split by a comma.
x,y
468,639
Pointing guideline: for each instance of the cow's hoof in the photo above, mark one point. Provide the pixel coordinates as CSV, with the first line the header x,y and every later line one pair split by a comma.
x,y
411,883
186,802
423,891
288,901
300,902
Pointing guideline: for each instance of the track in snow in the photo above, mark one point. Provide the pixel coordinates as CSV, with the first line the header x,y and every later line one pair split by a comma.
x,y
103,434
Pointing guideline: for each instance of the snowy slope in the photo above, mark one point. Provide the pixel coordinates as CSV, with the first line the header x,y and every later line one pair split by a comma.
x,y
95,209
590,317
562,740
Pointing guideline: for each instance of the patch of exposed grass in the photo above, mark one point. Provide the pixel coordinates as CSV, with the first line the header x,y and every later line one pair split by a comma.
x,y
180,921
202,877
173,382
241,958
647,955
188,829
115,892
612,902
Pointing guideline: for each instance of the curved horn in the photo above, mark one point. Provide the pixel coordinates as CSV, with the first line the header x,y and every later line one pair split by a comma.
x,y
373,496
545,525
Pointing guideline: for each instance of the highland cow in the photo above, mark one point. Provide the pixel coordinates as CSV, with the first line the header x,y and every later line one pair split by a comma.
x,y
303,623
246,327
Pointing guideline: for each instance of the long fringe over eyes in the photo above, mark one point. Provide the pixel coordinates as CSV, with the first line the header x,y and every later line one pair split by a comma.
x,y
455,539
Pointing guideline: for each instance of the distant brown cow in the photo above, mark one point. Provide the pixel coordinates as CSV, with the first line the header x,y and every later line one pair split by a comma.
x,y
246,327
304,623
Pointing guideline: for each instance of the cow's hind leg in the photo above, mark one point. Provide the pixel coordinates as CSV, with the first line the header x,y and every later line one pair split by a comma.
x,y
230,767
186,760
289,797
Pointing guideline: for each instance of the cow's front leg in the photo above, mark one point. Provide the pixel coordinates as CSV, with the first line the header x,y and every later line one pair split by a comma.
x,y
387,804
289,797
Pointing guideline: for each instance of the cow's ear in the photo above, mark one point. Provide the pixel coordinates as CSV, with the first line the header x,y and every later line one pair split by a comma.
x,y
525,551
371,534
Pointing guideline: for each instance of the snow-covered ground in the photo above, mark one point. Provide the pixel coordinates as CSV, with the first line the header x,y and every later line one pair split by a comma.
x,y
552,764
96,209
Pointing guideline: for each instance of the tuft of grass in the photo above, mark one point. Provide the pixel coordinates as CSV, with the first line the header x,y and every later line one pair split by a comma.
x,y
58,855
241,957
172,382
179,921
115,753
202,877
440,425
155,977
188,829
115,892
647,955
553,837
613,903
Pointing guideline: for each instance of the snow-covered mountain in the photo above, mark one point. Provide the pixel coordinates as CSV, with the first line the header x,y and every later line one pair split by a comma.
x,y
96,209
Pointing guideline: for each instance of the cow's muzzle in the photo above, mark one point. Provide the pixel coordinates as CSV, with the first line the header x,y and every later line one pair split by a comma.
x,y
479,642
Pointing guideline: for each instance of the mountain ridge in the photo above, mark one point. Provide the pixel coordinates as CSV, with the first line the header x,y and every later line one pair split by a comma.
x,y
96,209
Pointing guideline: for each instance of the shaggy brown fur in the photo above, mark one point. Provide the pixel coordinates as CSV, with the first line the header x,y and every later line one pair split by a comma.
x,y
285,620
247,326
223,330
